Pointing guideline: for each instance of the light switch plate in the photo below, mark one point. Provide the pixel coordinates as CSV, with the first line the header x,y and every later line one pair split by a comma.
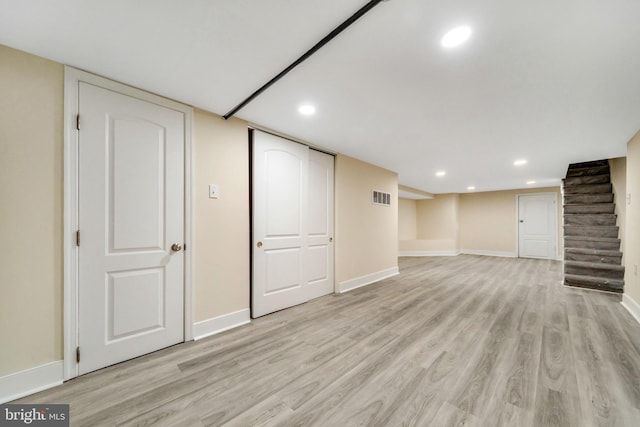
x,y
213,191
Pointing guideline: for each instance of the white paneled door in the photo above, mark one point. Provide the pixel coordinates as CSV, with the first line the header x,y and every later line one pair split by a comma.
x,y
319,260
537,226
131,221
292,224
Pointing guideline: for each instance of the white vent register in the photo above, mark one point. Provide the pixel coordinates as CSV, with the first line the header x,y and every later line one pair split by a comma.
x,y
381,198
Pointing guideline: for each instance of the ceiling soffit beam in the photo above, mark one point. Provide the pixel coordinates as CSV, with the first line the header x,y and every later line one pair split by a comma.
x,y
340,28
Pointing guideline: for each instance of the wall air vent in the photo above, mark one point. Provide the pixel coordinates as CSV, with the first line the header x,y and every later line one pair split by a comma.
x,y
381,198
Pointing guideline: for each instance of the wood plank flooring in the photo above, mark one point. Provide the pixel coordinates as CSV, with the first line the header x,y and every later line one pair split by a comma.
x,y
467,340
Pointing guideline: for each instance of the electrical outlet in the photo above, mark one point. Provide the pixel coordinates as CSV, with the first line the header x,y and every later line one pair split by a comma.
x,y
213,191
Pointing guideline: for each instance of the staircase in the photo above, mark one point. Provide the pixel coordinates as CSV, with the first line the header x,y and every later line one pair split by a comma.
x,y
591,244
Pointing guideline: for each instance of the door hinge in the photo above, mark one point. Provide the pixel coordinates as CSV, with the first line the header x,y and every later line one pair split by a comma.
x,y
78,121
77,354
78,238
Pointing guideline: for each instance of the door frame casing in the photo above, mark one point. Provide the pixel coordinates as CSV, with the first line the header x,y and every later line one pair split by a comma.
x,y
72,78
555,215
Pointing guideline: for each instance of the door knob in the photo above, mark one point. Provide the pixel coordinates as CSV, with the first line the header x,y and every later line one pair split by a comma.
x,y
259,244
176,247
522,220
330,239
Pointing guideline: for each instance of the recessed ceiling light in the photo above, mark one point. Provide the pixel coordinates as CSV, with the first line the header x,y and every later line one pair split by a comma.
x,y
471,187
307,110
441,173
520,162
455,37
530,182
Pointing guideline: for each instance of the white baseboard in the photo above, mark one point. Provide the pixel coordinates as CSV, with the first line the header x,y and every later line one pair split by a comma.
x,y
219,324
502,254
632,306
358,282
428,253
30,381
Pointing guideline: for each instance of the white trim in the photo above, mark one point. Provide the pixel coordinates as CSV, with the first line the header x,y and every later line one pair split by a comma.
x,y
72,78
429,253
557,202
218,324
30,381
188,225
358,282
632,306
503,254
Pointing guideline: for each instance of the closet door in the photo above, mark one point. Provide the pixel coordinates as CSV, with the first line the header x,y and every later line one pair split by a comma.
x,y
280,221
292,224
319,259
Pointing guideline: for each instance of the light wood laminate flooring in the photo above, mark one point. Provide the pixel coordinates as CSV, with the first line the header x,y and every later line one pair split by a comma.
x,y
451,341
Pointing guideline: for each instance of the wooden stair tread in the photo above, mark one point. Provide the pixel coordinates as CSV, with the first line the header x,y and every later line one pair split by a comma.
x,y
595,265
588,170
589,214
592,282
594,219
602,188
589,179
610,231
593,238
589,209
587,199
589,164
587,251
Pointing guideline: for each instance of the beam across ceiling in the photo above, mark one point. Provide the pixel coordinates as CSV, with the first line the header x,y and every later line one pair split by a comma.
x,y
340,28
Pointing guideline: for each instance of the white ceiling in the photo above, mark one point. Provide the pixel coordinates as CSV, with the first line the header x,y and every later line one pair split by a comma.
x,y
554,82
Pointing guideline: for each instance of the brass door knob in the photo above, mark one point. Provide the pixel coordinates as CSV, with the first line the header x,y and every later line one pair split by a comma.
x,y
176,247
330,239
259,244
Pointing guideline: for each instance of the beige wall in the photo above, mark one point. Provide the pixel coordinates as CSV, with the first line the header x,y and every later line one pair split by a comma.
x,y
221,226
31,210
366,234
488,220
437,247
437,218
407,220
632,241
618,171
